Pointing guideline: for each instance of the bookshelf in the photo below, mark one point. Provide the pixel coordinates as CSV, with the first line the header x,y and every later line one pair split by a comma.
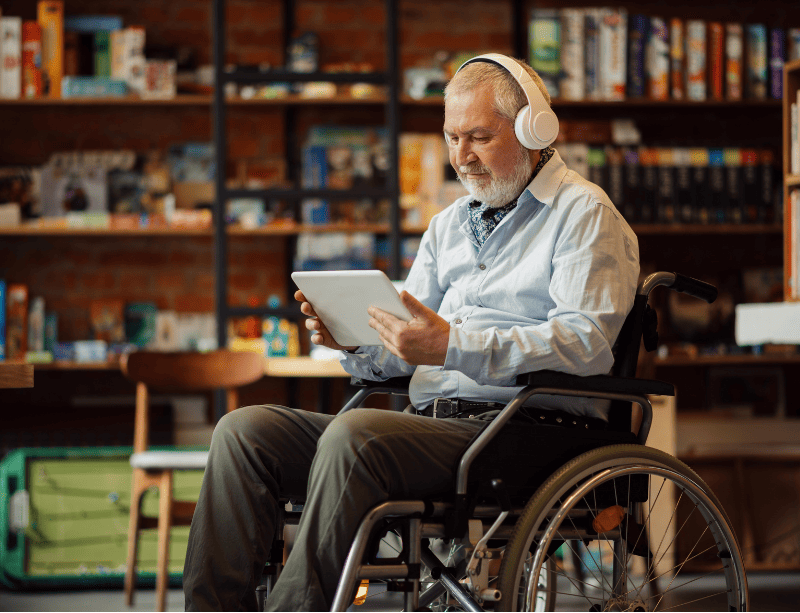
x,y
791,182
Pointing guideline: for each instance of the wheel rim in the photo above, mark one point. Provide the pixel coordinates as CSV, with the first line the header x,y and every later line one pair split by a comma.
x,y
617,592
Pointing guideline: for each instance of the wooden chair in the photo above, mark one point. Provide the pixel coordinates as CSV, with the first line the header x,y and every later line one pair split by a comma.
x,y
184,372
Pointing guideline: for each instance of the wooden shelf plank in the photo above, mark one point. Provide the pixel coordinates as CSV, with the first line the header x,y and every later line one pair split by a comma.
x,y
380,98
290,229
727,360
15,375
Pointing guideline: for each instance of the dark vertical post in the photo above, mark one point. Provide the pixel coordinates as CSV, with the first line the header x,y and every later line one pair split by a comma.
x,y
220,151
393,124
519,22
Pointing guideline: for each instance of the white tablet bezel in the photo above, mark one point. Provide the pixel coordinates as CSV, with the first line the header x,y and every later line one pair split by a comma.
x,y
341,299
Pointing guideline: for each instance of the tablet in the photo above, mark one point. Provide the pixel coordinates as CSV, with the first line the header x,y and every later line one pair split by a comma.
x,y
341,299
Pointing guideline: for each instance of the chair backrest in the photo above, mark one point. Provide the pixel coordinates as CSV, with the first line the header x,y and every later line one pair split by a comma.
x,y
187,372
193,371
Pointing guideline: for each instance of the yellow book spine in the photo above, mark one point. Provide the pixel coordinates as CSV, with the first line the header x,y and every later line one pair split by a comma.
x,y
51,19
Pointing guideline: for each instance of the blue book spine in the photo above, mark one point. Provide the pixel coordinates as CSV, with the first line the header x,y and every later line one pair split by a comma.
x,y
777,57
92,23
592,34
315,175
756,68
2,319
638,29
716,179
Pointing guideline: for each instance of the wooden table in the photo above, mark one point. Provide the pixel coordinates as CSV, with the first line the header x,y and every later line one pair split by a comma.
x,y
305,367
15,375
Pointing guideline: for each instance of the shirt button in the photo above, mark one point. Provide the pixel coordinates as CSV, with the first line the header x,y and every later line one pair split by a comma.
x,y
458,321
482,266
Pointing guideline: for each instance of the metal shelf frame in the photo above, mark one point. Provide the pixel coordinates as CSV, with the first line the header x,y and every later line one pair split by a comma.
x,y
388,78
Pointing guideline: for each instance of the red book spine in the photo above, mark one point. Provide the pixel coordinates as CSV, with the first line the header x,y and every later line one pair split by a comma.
x,y
31,60
716,60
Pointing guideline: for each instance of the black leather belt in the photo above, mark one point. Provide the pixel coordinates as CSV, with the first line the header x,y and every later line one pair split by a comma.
x,y
455,407
447,407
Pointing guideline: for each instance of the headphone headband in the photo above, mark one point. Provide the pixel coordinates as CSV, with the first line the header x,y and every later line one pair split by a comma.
x,y
536,125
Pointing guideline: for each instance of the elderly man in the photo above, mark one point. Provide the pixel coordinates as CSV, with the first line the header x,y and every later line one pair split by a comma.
x,y
535,269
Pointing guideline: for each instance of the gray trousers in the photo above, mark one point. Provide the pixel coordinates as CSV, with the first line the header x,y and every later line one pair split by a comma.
x,y
341,467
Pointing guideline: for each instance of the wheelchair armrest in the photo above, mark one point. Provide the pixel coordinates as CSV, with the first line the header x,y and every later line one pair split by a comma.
x,y
396,385
596,383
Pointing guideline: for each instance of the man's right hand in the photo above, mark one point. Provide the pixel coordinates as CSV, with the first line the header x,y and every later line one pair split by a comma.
x,y
321,335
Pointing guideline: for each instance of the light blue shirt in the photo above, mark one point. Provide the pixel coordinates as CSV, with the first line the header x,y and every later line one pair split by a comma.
x,y
548,290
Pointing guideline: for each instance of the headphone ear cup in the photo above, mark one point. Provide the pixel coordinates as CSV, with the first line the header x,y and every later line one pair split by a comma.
x,y
545,124
521,128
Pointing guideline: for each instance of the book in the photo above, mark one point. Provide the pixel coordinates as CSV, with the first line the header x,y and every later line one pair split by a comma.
x,y
107,320
734,211
657,60
140,323
684,193
734,61
615,176
2,320
597,167
696,61
777,57
117,48
638,28
92,23
36,325
16,321
648,192
135,63
716,61
572,85
50,16
700,185
665,206
92,87
756,61
770,204
751,188
592,53
794,143
102,54
31,60
72,60
631,185
545,47
677,59
793,44
11,57
613,37
716,185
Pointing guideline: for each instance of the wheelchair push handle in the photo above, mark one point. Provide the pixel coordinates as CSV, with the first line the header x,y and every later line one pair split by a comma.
x,y
680,283
695,287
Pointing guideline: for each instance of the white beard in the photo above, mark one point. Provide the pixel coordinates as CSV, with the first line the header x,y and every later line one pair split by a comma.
x,y
495,192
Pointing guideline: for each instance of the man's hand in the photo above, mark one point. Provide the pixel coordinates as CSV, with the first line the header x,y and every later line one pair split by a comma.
x,y
314,323
421,341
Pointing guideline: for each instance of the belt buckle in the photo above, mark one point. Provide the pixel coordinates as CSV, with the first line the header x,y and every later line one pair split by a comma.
x,y
442,407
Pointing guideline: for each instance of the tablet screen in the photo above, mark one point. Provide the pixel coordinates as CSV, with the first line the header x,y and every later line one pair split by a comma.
x,y
341,299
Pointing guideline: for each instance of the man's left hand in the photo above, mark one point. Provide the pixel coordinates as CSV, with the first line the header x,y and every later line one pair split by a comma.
x,y
421,341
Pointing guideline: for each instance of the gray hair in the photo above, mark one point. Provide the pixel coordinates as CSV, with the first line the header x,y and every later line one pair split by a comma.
x,y
508,95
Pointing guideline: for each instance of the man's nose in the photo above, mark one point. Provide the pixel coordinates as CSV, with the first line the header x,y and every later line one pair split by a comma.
x,y
464,153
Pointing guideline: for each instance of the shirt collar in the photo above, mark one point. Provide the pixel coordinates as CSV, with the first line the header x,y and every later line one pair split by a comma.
x,y
546,182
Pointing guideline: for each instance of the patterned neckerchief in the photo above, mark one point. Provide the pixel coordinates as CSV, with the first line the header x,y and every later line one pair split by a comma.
x,y
484,219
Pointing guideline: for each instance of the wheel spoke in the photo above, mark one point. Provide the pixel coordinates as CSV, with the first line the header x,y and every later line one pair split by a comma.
x,y
683,604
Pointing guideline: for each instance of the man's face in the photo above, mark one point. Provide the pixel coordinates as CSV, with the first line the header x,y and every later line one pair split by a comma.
x,y
486,155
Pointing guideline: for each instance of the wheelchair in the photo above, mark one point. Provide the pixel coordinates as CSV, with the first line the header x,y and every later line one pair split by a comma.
x,y
557,516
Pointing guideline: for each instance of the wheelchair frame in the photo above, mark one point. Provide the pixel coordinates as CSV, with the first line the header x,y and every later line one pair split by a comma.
x,y
426,519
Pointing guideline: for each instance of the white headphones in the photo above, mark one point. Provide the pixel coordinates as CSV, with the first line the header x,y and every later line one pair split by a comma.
x,y
536,125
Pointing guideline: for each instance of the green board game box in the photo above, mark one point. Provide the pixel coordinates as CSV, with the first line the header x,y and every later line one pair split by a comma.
x,y
64,519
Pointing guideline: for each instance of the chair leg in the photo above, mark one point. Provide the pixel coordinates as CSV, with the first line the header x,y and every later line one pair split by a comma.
x,y
137,489
164,526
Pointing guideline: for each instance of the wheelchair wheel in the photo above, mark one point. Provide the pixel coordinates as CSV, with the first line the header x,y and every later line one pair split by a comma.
x,y
624,528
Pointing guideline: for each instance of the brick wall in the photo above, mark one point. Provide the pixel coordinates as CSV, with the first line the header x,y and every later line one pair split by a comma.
x,y
176,273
